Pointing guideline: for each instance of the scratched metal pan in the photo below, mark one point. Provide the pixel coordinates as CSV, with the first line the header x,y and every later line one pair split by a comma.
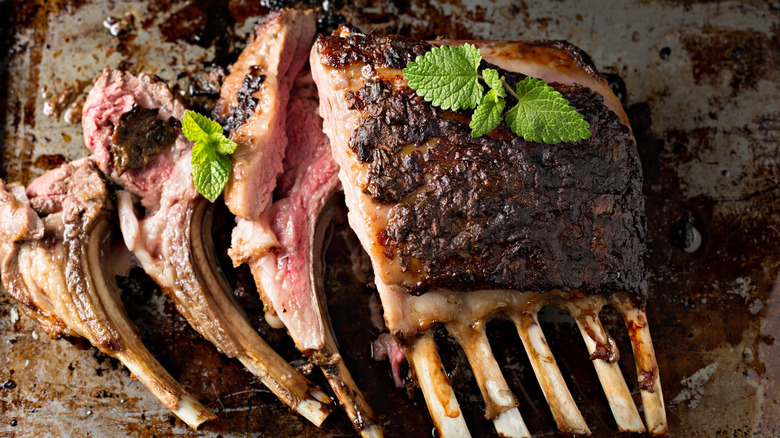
x,y
700,82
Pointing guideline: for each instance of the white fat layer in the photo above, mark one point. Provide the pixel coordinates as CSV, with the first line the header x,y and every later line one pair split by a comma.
x,y
136,233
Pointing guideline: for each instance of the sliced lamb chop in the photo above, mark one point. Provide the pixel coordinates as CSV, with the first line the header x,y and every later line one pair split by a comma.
x,y
276,133
461,230
131,123
59,265
252,106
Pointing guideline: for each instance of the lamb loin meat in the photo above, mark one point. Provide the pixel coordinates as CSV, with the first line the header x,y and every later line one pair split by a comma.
x,y
59,267
461,229
309,179
289,279
131,123
252,106
269,105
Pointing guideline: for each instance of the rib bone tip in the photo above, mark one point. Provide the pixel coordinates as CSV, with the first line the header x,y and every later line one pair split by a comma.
x,y
374,431
314,411
510,424
192,412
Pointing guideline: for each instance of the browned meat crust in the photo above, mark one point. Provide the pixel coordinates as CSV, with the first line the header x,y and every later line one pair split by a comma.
x,y
391,51
495,212
139,136
246,102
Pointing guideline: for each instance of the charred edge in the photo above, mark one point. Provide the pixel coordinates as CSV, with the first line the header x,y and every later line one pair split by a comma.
x,y
139,135
499,213
584,60
391,51
247,103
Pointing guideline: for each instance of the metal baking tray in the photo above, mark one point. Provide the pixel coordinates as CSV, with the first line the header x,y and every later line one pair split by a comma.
x,y
700,81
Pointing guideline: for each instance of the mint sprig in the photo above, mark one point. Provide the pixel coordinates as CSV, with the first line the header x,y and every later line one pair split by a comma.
x,y
448,77
543,115
211,160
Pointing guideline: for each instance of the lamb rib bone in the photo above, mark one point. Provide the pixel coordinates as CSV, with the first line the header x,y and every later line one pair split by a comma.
x,y
59,268
172,238
458,228
270,110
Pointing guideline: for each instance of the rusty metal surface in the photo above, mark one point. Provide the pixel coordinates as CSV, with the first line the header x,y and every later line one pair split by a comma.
x,y
701,84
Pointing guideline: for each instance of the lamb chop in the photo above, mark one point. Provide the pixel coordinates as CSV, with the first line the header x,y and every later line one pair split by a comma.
x,y
280,140
131,123
461,230
59,266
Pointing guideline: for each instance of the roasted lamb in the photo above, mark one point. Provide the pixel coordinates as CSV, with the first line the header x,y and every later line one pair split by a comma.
x,y
131,123
283,174
56,258
461,230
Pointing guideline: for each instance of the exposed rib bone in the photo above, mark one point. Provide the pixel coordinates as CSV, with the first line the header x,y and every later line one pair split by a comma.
x,y
500,403
511,424
171,236
357,408
202,295
346,391
646,365
439,396
562,405
276,373
604,354
63,278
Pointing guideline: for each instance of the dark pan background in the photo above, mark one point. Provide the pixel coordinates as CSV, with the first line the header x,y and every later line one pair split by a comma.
x,y
700,81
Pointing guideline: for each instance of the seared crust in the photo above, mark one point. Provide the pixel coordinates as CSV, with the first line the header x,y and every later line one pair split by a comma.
x,y
495,212
389,51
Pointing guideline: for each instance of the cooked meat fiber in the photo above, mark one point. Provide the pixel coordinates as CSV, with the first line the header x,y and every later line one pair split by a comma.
x,y
285,277
281,136
59,267
252,106
461,229
172,238
289,279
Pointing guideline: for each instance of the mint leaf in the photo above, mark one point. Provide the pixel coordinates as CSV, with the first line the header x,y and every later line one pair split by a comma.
x,y
543,115
211,162
487,115
494,82
196,125
210,176
447,76
225,146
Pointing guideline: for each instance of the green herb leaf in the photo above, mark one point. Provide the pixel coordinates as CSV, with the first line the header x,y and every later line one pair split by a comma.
x,y
487,115
225,146
211,176
211,151
195,126
543,115
494,82
447,76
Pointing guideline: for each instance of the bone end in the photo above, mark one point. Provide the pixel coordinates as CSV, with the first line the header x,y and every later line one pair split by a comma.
x,y
439,395
372,432
511,425
313,410
192,412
